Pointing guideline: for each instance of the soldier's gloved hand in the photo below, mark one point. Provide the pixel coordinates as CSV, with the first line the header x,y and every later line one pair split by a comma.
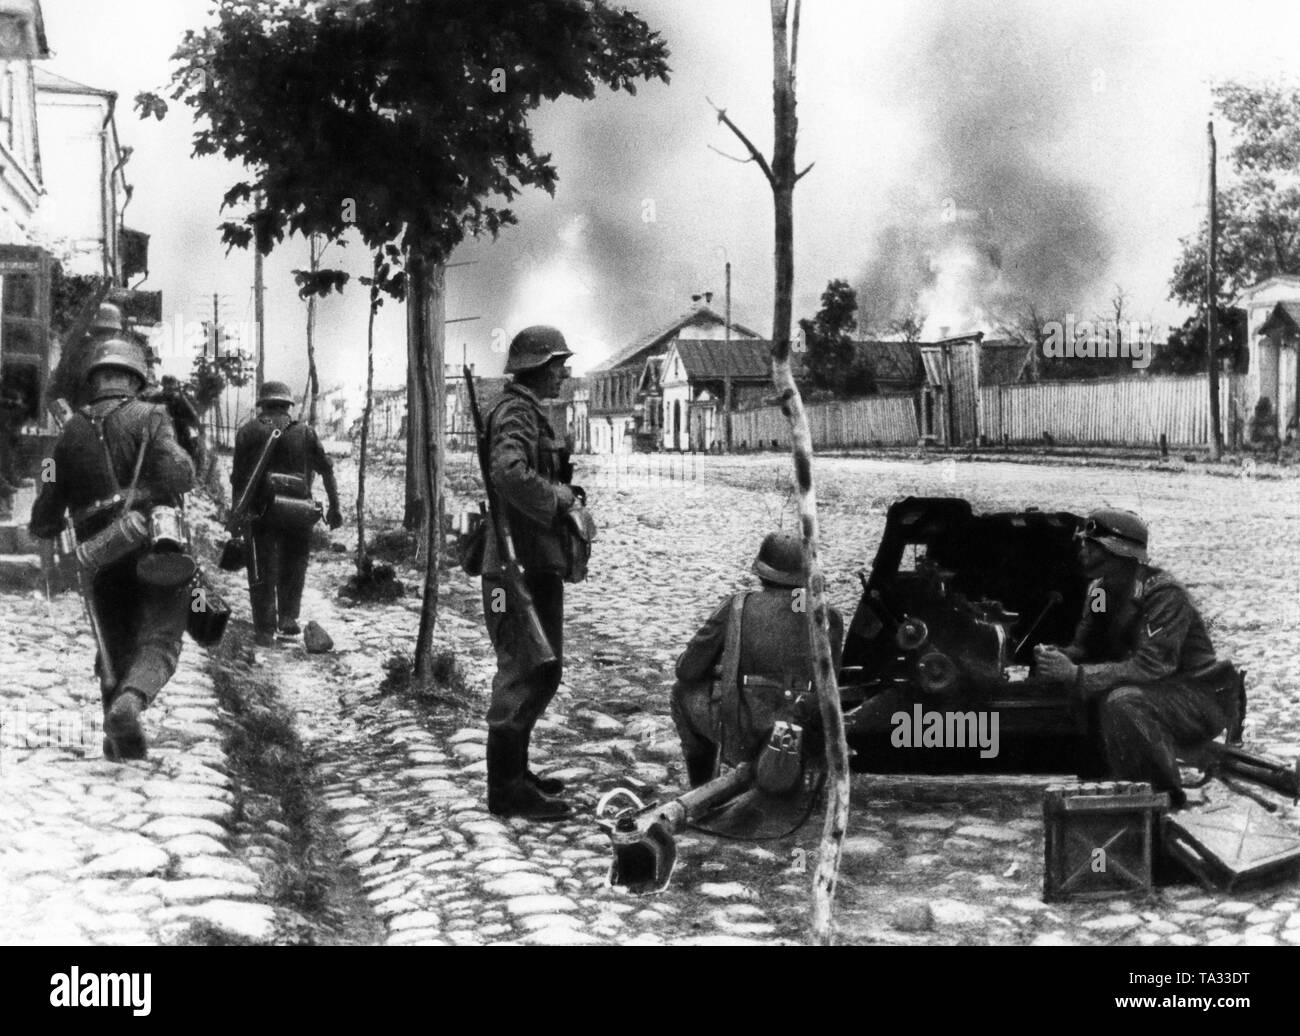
x,y
580,494
334,518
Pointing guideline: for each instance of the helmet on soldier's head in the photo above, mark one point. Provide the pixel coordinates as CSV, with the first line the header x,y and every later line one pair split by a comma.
x,y
275,392
535,346
109,318
120,354
1121,533
780,560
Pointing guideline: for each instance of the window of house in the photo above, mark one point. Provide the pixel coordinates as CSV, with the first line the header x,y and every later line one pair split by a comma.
x,y
7,105
13,37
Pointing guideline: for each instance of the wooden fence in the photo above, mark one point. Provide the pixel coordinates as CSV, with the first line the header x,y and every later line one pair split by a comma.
x,y
1109,411
879,420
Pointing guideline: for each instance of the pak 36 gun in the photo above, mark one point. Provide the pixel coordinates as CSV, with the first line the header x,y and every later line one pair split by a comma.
x,y
537,646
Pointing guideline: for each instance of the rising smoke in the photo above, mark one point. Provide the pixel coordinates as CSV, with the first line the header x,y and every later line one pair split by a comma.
x,y
993,217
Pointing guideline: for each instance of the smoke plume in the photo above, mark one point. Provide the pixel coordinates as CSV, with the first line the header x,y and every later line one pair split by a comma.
x,y
993,218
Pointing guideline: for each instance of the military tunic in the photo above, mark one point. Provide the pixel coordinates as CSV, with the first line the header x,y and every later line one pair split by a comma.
x,y
143,624
277,569
1147,658
773,645
529,471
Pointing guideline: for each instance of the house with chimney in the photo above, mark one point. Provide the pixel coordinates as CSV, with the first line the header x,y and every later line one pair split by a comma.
x,y
698,376
626,406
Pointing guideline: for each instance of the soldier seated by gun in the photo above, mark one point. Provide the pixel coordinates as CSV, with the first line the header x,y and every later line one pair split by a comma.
x,y
1141,651
759,640
116,441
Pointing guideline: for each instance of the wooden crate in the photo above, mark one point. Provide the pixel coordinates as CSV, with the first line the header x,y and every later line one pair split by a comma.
x,y
1099,839
1231,843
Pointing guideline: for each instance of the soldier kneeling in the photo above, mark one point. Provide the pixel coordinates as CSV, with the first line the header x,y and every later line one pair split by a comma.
x,y
1141,651
751,658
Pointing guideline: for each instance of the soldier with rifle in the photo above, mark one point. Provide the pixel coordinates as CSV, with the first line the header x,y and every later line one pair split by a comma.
x,y
537,540
282,514
116,460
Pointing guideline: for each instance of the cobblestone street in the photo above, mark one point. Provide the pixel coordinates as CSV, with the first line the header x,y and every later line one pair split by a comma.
x,y
105,853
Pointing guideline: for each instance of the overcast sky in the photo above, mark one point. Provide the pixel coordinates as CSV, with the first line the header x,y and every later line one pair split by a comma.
x,y
1072,136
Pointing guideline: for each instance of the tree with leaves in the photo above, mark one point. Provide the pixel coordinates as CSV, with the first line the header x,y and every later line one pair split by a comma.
x,y
1259,213
831,362
781,177
405,124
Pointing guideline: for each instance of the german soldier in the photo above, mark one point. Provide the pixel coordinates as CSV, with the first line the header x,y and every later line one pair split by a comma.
x,y
277,566
98,453
769,631
531,476
1142,652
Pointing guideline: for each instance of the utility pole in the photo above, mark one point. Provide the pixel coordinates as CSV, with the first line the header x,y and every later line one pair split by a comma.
x,y
726,384
1211,307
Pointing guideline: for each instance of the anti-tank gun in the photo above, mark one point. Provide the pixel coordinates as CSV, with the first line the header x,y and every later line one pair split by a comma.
x,y
951,611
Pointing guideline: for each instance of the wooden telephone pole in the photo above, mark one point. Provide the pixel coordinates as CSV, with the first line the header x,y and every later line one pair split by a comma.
x,y
1211,308
726,384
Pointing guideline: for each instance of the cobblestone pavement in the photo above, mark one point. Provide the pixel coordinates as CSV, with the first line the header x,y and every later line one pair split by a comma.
x,y
926,861
94,852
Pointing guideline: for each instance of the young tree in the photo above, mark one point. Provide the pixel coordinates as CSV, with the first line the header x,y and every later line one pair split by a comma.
x,y
405,123
781,177
1259,214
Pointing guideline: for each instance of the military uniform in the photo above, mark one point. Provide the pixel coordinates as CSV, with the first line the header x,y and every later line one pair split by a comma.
x,y
527,461
772,651
1148,660
143,624
277,566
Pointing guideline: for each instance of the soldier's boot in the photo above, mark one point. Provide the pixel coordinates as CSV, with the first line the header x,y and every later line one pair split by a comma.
x,y
123,737
510,794
700,767
290,627
546,785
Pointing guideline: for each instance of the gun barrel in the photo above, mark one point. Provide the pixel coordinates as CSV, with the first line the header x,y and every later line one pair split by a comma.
x,y
645,852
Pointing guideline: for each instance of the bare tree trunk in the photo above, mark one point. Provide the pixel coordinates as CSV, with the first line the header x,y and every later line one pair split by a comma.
x,y
365,422
313,382
426,332
782,177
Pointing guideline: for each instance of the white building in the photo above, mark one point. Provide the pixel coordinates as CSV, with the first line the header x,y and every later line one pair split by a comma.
x,y
1273,335
83,165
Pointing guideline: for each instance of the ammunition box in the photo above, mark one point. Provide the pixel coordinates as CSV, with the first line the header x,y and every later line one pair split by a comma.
x,y
1099,839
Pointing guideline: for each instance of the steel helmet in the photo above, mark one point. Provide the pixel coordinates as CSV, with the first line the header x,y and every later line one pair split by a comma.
x,y
275,392
119,353
535,346
108,318
780,560
1121,533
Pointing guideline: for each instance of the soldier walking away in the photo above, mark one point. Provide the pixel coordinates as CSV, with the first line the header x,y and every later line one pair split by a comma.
x,y
279,552
1142,653
759,640
532,479
113,442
